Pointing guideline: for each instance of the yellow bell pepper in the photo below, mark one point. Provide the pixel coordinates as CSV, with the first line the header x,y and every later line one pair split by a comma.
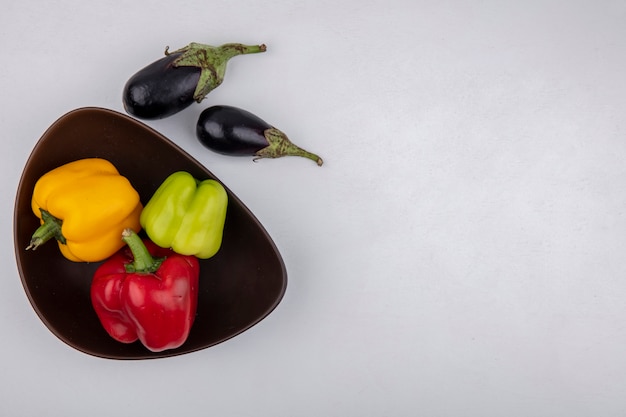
x,y
85,205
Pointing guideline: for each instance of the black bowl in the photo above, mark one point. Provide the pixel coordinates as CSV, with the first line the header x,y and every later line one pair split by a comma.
x,y
239,286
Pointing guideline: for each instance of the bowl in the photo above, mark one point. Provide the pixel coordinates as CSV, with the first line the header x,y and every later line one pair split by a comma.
x,y
239,286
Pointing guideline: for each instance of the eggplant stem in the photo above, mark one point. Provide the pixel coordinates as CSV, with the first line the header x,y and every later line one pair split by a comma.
x,y
280,145
212,62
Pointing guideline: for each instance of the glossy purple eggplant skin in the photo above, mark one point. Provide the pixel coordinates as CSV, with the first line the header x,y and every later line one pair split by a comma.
x,y
231,131
160,89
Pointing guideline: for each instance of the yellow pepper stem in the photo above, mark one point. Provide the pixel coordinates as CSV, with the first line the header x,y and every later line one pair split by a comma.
x,y
51,228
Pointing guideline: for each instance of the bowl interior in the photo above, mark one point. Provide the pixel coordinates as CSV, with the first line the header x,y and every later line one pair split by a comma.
x,y
239,286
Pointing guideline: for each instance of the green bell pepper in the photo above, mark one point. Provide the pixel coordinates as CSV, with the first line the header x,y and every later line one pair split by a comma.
x,y
186,215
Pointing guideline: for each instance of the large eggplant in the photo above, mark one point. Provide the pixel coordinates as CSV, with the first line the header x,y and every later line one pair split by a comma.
x,y
233,131
173,82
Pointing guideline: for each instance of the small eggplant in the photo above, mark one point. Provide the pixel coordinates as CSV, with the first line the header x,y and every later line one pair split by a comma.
x,y
173,82
232,131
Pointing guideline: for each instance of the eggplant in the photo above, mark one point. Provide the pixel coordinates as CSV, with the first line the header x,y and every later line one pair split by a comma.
x,y
233,131
173,82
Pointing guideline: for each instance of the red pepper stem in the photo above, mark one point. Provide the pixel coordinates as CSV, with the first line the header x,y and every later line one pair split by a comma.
x,y
143,262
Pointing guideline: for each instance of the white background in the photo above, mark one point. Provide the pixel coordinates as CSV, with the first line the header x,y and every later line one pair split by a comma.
x,y
460,253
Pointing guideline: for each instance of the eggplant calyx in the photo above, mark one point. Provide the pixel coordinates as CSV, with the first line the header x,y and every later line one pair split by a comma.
x,y
280,145
212,62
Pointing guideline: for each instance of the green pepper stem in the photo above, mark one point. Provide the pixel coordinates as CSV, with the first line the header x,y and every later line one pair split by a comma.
x,y
143,262
51,228
280,145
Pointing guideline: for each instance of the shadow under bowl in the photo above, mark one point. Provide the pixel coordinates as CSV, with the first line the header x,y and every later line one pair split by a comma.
x,y
239,286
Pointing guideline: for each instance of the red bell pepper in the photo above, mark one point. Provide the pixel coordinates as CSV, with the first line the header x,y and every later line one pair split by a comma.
x,y
148,293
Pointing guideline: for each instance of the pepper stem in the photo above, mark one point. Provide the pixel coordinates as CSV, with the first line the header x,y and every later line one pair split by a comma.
x,y
212,62
280,145
51,228
143,262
